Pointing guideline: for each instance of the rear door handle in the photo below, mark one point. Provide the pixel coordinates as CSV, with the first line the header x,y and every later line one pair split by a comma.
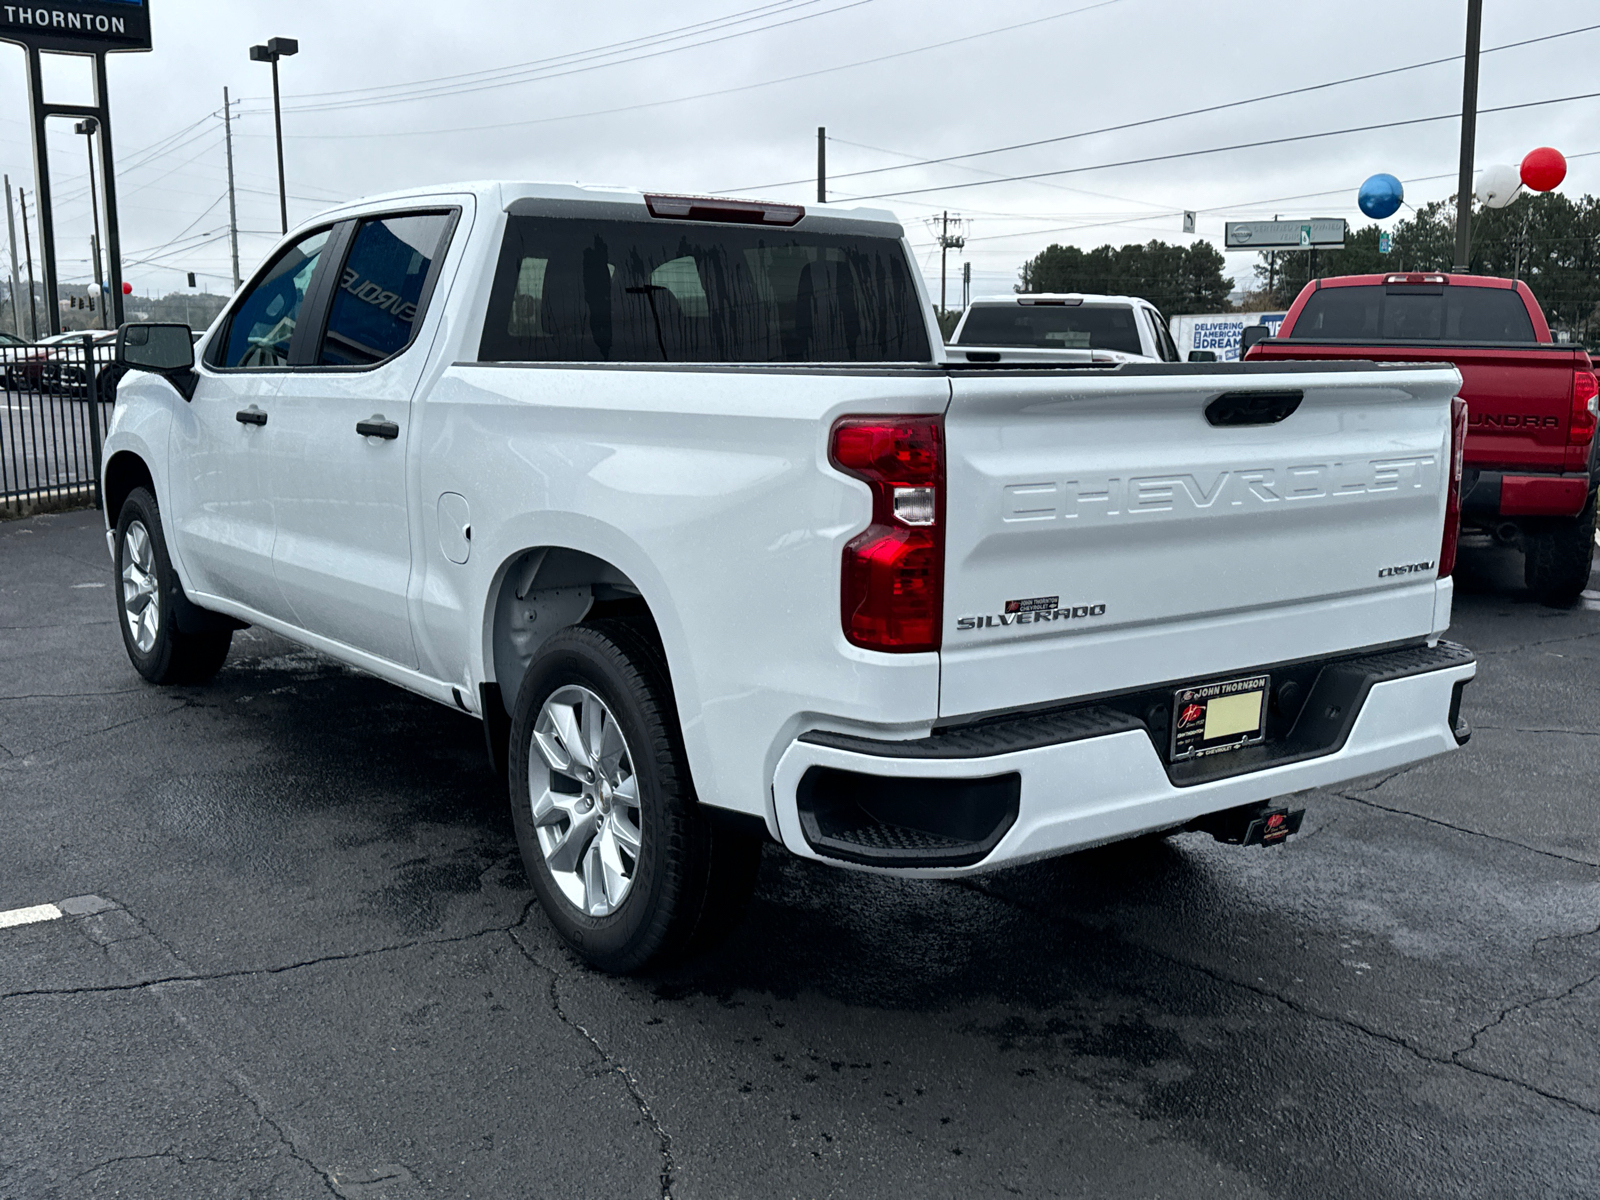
x,y
376,426
250,416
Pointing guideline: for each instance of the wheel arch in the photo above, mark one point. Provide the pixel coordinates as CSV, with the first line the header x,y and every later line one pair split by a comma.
x,y
540,590
124,471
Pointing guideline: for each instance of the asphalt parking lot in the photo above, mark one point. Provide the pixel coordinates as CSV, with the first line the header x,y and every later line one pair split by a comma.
x,y
301,961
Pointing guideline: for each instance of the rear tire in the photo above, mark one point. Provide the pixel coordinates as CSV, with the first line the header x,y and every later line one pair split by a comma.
x,y
148,598
1558,556
631,872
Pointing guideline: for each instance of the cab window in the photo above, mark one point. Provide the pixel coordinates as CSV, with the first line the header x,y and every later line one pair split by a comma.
x,y
377,302
263,324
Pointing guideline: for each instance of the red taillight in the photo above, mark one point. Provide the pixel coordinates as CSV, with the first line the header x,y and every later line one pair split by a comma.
x,y
1585,400
1582,419
1452,504
893,577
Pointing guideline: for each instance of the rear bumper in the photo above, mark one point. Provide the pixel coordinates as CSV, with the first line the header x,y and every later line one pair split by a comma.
x,y
1501,494
1081,777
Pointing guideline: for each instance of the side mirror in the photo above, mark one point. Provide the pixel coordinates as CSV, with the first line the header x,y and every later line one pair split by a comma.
x,y
162,349
1202,356
1251,334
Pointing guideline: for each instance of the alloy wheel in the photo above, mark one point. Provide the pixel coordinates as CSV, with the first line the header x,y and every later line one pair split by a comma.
x,y
141,600
585,800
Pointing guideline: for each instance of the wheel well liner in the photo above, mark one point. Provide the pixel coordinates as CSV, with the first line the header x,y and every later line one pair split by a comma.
x,y
542,590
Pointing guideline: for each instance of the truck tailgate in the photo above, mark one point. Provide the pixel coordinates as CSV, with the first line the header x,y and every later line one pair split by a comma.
x,y
1519,399
1102,533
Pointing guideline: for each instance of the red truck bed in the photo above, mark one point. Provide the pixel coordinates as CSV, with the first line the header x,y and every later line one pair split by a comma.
x,y
1531,451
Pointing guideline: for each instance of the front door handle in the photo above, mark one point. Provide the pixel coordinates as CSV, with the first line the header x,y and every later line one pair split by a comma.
x,y
376,426
250,416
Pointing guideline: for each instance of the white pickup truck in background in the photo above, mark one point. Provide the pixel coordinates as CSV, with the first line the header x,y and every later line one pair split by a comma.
x,y
682,499
1061,327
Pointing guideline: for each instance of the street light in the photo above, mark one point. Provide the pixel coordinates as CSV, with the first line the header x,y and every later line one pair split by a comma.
x,y
275,49
88,127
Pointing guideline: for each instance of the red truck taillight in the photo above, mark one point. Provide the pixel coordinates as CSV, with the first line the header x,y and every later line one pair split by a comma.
x,y
1581,423
893,578
1452,504
1585,395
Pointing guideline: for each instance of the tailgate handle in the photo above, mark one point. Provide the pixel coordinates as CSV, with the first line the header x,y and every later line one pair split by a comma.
x,y
1253,408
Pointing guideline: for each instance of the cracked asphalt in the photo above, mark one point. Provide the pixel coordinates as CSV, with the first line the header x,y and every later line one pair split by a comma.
x,y
314,969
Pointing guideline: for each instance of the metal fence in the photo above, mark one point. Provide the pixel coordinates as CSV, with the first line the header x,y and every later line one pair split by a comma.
x,y
50,428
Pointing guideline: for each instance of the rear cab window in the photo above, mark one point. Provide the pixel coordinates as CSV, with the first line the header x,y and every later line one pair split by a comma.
x,y
1054,327
570,289
1414,312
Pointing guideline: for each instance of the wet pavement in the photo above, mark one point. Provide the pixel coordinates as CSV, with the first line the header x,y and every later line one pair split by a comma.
x,y
310,967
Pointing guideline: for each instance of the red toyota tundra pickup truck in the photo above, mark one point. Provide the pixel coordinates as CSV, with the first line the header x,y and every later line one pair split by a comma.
x,y
1532,458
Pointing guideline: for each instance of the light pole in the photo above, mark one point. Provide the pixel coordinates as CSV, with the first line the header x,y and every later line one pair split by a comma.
x,y
87,127
275,49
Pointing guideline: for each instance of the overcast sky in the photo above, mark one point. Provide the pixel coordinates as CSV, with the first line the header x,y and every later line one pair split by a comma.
x,y
618,93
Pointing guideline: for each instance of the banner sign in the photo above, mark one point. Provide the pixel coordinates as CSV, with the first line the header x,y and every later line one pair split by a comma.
x,y
1218,332
77,26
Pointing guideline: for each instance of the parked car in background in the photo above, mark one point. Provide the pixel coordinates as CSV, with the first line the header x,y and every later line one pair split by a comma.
x,y
28,368
1061,327
682,499
1532,459
11,339
64,372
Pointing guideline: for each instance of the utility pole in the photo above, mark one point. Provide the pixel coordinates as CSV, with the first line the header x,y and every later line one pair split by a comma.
x,y
947,242
16,287
944,253
99,280
966,285
1469,128
1272,268
822,164
27,246
233,211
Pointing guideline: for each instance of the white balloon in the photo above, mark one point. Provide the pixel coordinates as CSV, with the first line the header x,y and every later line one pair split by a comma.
x,y
1498,185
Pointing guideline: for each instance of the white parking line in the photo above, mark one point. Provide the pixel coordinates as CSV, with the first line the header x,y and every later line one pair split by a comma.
x,y
28,916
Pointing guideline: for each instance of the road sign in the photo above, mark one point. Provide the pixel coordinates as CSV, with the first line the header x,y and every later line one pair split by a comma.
x,y
1318,233
1384,243
1188,221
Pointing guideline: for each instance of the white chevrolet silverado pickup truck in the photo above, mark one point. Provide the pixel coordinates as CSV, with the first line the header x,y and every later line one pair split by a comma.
x,y
682,498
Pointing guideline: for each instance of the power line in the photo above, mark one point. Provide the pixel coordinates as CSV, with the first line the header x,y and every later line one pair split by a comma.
x,y
1279,141
1193,112
606,112
437,93
682,31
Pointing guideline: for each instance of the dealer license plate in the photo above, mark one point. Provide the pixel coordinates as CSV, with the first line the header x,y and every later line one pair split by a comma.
x,y
1219,716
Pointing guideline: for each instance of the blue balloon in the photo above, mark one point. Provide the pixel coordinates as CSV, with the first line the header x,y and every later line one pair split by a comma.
x,y
1380,196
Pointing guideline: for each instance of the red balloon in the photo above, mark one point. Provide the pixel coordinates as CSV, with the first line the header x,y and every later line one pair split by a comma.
x,y
127,289
1543,169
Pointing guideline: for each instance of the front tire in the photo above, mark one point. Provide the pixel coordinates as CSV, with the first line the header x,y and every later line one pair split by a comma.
x,y
1558,556
628,868
148,596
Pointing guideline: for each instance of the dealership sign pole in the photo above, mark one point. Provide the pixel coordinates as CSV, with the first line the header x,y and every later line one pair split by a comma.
x,y
94,28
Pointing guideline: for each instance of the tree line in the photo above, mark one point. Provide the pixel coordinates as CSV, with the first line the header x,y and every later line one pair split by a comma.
x,y
1549,241
1176,279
